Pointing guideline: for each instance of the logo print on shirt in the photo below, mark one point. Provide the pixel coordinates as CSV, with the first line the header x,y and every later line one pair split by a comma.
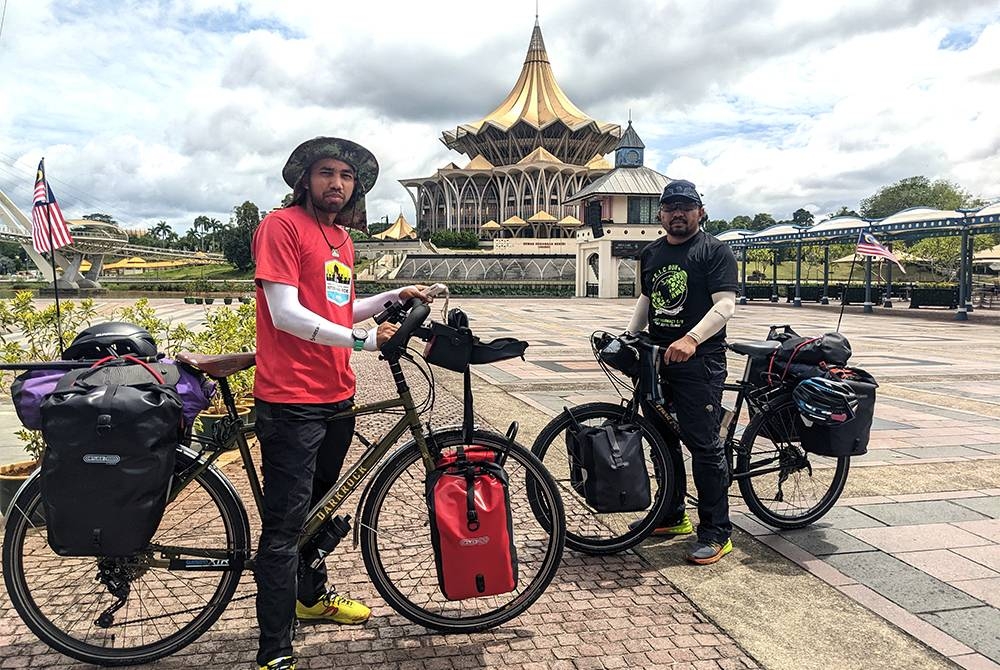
x,y
338,282
670,290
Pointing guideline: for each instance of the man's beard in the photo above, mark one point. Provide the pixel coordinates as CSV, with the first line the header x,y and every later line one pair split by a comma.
x,y
320,206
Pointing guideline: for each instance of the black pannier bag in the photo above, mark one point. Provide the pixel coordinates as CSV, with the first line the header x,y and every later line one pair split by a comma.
x,y
111,432
472,530
846,439
608,467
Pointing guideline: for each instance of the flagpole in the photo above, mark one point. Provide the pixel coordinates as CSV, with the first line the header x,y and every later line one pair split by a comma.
x,y
55,280
843,298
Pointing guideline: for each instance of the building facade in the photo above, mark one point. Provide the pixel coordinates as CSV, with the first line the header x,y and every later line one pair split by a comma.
x,y
526,158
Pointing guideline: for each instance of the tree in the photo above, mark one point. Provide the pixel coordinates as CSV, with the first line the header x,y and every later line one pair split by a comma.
x,y
802,217
916,192
762,221
287,200
236,239
741,222
103,218
716,226
379,226
844,211
944,253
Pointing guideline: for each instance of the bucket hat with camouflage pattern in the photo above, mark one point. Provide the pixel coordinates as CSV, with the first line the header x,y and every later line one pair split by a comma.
x,y
353,215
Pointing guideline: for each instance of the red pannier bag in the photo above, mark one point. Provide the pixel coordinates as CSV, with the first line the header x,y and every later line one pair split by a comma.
x,y
471,527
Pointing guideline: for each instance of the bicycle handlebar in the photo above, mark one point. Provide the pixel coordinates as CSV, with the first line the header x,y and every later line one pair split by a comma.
x,y
416,313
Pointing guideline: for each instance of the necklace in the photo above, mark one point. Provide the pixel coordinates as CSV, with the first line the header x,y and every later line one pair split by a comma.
x,y
333,249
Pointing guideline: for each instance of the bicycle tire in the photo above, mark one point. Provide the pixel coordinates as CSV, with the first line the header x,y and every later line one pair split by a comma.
x,y
400,559
588,531
816,482
61,612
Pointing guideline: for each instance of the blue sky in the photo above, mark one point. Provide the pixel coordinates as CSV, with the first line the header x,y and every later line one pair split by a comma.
x,y
170,110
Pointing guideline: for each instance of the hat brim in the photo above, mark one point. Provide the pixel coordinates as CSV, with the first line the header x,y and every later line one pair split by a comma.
x,y
363,161
680,196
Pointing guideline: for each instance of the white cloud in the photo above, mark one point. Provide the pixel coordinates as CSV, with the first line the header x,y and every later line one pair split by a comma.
x,y
172,110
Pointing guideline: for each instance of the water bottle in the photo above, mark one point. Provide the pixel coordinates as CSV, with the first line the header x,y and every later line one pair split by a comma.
x,y
326,540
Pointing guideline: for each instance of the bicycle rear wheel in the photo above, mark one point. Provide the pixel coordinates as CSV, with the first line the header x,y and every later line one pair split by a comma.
x,y
396,539
587,530
69,601
783,485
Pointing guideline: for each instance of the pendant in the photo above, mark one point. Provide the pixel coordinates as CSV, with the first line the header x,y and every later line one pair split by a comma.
x,y
334,253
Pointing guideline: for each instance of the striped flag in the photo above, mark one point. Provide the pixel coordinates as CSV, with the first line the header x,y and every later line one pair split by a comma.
x,y
869,246
46,215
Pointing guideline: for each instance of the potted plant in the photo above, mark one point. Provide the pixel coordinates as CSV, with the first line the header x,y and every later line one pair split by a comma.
x,y
29,334
189,300
228,331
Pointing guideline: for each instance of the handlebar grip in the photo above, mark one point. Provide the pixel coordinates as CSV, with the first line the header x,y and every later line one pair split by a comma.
x,y
418,312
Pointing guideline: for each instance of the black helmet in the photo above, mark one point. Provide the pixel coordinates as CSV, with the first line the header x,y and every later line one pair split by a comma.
x,y
826,402
113,338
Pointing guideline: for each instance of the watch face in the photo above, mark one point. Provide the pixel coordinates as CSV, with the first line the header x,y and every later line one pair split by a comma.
x,y
359,334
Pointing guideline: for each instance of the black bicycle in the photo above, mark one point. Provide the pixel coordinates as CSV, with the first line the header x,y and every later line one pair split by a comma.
x,y
132,610
782,484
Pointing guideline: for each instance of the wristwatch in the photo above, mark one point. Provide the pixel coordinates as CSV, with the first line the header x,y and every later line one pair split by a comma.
x,y
360,336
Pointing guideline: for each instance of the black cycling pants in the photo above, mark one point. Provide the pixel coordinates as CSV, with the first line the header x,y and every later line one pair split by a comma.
x,y
696,389
302,453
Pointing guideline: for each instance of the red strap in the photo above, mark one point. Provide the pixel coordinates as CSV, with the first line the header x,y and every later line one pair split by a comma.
x,y
794,354
132,359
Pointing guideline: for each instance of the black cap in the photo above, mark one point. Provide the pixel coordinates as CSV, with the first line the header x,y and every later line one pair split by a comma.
x,y
680,189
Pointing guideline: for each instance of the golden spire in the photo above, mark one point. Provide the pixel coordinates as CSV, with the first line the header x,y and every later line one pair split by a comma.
x,y
536,98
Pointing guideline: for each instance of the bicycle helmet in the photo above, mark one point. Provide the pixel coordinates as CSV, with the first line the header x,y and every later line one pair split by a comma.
x,y
826,402
113,338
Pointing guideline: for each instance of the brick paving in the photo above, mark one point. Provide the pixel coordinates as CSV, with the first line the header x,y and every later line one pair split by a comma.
x,y
612,612
925,558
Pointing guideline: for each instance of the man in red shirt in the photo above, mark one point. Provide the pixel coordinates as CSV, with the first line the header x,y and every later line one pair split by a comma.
x,y
306,311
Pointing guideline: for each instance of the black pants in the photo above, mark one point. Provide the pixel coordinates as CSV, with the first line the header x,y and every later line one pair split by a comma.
x,y
302,453
696,389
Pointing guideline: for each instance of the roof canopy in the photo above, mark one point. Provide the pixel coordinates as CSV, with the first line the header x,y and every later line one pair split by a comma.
x,y
400,230
909,224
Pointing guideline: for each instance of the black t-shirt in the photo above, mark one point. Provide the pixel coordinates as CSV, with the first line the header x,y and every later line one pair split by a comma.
x,y
679,280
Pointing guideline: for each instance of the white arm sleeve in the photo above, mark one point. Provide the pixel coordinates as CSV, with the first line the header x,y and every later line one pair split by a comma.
x,y
723,308
288,315
640,316
366,308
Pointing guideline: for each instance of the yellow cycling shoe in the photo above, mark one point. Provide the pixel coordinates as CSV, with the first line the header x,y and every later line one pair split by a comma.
x,y
280,663
335,608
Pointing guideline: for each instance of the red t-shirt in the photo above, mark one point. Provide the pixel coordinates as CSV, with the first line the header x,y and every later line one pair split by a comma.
x,y
289,248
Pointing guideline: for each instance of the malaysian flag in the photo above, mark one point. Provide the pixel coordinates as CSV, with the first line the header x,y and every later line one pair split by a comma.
x,y
46,216
869,246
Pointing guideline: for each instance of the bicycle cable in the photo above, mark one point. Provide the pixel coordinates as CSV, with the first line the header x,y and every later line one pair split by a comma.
x,y
625,390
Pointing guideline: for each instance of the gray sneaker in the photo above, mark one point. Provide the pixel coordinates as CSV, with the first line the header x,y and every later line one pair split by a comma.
x,y
706,553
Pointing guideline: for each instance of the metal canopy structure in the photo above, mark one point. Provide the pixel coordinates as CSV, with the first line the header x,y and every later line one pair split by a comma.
x,y
907,225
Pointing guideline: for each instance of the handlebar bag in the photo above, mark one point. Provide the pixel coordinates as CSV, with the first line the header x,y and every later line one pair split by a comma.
x,y
111,432
449,347
499,349
608,466
471,527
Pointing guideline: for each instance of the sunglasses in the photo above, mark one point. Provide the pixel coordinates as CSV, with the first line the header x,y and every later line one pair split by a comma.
x,y
678,207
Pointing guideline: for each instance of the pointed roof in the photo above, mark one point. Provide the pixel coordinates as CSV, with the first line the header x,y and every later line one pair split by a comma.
x,y
623,181
491,225
479,163
570,221
536,102
515,221
539,155
449,166
630,139
598,162
537,99
541,216
400,230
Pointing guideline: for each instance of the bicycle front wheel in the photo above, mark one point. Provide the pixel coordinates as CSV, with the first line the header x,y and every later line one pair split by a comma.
x,y
396,538
783,485
587,530
127,611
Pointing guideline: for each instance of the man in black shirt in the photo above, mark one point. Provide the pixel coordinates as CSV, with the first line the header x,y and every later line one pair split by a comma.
x,y
689,282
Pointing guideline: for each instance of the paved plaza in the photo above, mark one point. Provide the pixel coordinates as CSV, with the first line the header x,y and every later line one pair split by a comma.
x,y
903,573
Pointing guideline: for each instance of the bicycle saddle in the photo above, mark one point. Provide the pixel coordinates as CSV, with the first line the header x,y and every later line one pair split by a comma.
x,y
755,349
217,365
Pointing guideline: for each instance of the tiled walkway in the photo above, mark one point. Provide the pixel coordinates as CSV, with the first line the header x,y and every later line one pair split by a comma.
x,y
917,541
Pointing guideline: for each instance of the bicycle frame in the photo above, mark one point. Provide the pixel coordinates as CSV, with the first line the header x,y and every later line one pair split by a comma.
x,y
334,498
